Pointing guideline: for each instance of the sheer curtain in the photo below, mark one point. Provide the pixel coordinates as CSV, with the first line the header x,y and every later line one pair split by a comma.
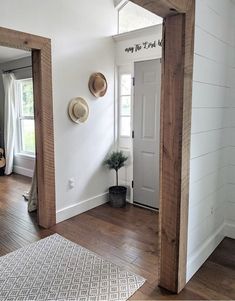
x,y
31,196
9,120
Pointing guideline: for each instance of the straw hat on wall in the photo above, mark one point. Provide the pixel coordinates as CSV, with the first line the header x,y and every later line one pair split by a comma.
x,y
98,84
78,110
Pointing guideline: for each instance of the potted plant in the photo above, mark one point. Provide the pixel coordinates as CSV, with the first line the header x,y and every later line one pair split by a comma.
x,y
117,194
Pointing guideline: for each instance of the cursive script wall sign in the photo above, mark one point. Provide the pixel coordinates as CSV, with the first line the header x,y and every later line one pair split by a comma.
x,y
141,46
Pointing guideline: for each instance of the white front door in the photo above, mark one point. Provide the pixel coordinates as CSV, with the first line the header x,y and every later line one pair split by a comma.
x,y
146,123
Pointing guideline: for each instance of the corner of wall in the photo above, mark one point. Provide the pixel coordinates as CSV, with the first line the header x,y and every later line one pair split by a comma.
x,y
200,255
81,207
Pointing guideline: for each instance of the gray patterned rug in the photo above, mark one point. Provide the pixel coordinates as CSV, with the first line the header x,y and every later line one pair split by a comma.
x,y
55,268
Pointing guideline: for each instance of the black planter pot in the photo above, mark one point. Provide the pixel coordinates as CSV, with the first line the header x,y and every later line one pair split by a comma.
x,y
117,196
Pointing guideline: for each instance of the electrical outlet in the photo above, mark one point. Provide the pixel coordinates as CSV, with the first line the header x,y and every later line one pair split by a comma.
x,y
71,183
212,210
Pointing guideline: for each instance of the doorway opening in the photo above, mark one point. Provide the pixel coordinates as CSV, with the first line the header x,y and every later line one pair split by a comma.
x,y
38,88
138,59
17,130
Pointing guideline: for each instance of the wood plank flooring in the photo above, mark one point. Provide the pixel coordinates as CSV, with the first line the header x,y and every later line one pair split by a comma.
x,y
128,237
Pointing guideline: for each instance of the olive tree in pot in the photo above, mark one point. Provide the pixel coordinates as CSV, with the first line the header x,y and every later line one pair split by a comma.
x,y
117,194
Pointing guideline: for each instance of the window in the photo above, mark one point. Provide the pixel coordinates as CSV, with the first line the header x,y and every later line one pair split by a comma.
x,y
132,17
26,130
125,105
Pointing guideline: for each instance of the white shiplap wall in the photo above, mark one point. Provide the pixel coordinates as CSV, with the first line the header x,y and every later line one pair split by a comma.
x,y
230,207
212,170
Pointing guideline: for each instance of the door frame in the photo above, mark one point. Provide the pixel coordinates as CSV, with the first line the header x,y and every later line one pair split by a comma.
x,y
175,136
43,107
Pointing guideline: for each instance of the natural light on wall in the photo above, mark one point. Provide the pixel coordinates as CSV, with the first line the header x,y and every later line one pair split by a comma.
x,y
132,17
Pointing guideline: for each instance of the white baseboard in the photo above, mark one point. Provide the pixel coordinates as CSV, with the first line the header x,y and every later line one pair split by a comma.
x,y
23,171
198,257
229,229
81,207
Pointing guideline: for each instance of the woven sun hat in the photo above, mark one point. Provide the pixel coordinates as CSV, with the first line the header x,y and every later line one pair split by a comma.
x,y
98,84
78,110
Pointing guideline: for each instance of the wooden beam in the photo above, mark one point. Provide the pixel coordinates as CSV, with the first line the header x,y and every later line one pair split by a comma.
x,y
176,103
171,150
21,40
43,104
41,62
165,8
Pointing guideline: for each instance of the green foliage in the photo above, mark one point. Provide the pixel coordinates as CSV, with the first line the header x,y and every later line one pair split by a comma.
x,y
116,160
27,98
29,142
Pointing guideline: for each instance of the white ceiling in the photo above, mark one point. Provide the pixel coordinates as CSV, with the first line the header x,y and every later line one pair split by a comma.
x,y
9,54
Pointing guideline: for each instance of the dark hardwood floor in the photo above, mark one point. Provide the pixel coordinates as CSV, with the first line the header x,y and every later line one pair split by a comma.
x,y
128,237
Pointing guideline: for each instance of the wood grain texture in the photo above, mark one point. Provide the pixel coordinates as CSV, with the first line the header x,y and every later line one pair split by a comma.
x,y
171,151
176,104
44,135
43,103
126,236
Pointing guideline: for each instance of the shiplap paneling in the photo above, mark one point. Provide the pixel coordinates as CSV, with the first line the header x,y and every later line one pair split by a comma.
x,y
232,155
211,183
212,168
207,142
204,165
230,210
207,119
206,206
216,96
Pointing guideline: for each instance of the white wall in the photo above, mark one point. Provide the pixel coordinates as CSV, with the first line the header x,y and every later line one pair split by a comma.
x,y
81,44
125,41
213,117
230,206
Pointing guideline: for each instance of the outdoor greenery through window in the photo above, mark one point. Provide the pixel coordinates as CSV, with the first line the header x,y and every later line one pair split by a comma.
x,y
125,105
26,137
132,17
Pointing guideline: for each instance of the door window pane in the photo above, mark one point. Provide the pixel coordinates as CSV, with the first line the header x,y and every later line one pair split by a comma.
x,y
125,126
125,105
125,84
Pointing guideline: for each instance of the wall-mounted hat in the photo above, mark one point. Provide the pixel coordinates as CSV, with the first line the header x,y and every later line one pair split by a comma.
x,y
78,110
98,84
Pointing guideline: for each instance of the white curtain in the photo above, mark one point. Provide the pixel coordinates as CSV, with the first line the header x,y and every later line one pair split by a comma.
x,y
31,196
9,120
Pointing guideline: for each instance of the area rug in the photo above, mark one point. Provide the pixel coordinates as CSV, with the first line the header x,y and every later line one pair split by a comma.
x,y
55,268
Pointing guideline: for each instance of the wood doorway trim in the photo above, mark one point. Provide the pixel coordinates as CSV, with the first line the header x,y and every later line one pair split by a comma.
x,y
176,105
43,106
